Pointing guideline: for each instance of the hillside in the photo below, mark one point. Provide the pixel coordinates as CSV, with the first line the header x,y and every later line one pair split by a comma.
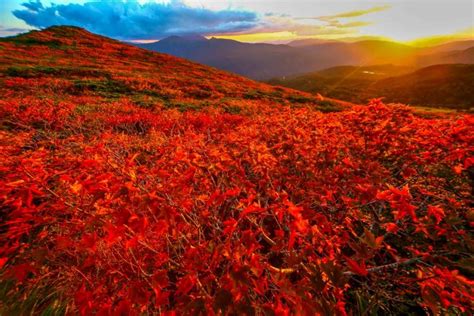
x,y
343,82
446,86
136,183
461,56
71,62
266,61
440,85
450,47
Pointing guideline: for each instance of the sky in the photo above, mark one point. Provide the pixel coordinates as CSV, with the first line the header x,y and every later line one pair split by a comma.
x,y
250,21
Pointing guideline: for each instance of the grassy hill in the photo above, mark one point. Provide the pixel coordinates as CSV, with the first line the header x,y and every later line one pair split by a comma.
x,y
133,182
69,62
445,86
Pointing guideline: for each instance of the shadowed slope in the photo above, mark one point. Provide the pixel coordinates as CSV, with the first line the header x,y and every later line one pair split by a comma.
x,y
447,86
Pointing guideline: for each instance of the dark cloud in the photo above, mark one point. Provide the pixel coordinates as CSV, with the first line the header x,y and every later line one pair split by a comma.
x,y
33,5
132,20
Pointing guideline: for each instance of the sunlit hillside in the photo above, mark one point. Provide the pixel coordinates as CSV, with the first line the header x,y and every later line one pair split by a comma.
x,y
446,86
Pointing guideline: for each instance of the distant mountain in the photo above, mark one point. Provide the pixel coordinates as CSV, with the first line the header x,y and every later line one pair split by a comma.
x,y
265,61
258,61
309,42
317,41
439,85
178,40
451,46
448,85
465,56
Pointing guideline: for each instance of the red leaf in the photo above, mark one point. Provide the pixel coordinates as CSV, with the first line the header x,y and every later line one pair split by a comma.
x,y
437,212
292,239
359,269
186,284
3,260
113,233
21,271
89,241
229,226
391,228
123,308
254,208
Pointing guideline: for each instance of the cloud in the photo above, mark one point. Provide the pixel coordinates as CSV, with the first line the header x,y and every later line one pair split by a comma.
x,y
332,25
282,24
132,20
309,30
33,5
311,26
352,14
10,31
355,24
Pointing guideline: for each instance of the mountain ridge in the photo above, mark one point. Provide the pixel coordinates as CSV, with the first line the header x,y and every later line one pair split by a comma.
x,y
265,61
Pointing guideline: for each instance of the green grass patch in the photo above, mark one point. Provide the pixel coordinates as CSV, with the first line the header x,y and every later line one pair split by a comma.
x,y
295,98
254,95
147,102
184,106
39,301
326,106
29,41
108,88
47,71
232,109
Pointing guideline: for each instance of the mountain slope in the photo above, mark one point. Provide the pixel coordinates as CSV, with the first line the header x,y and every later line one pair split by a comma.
x,y
136,183
463,56
450,46
440,85
73,62
448,86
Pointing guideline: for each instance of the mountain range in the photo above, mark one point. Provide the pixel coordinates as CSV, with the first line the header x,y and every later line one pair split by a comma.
x,y
266,61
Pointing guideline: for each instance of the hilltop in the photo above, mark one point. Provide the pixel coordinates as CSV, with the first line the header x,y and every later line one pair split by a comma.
x,y
133,182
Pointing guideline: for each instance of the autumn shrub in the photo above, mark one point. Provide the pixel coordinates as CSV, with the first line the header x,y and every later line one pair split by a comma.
x,y
294,210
